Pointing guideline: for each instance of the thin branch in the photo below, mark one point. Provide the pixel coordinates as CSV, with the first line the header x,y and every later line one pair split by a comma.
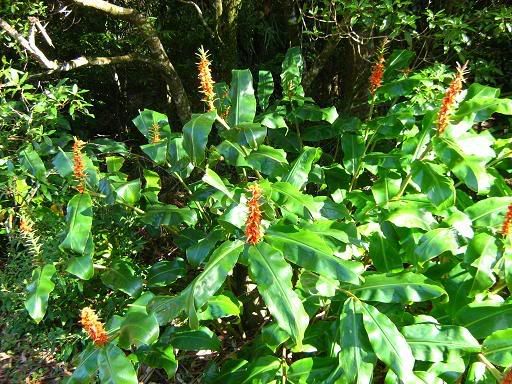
x,y
201,17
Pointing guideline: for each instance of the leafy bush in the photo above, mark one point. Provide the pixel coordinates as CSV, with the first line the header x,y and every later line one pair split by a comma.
x,y
307,247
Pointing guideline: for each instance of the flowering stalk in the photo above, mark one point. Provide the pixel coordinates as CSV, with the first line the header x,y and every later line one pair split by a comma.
x,y
448,103
253,231
93,326
154,133
507,379
505,228
29,236
205,78
78,164
378,70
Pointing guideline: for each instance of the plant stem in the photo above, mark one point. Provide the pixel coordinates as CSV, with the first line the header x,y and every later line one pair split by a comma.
x,y
497,374
408,178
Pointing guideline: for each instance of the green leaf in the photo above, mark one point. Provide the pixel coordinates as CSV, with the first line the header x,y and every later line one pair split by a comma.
x,y
489,212
265,88
479,374
198,252
233,153
247,134
288,197
438,188
147,118
481,254
300,168
400,287
243,102
268,160
31,162
353,149
484,318
86,368
152,187
356,358
433,342
195,340
195,135
310,251
38,291
81,267
157,215
469,169
398,60
211,178
157,152
260,371
388,344
159,356
79,223
220,306
387,187
497,347
166,308
129,192
121,276
138,328
291,73
311,370
115,368
411,217
63,163
436,242
384,249
204,286
165,272
273,275
114,163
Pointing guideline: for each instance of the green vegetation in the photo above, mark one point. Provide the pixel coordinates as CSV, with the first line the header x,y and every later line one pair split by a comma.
x,y
335,213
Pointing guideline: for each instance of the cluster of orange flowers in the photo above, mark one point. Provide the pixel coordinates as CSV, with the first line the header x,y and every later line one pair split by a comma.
x,y
205,78
25,226
505,228
449,99
377,75
253,232
78,164
154,133
93,326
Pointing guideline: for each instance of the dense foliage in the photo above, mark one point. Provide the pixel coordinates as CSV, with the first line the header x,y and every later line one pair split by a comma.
x,y
269,239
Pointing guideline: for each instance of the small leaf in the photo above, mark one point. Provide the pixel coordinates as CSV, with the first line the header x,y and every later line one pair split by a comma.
x,y
39,291
31,162
268,160
129,192
300,168
211,178
353,149
265,88
438,188
159,356
157,215
436,242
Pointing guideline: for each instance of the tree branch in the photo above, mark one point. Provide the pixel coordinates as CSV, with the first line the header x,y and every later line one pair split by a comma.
x,y
155,46
321,60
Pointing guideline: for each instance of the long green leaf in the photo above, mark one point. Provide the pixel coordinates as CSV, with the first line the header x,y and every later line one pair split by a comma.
x,y
115,368
388,343
243,102
300,168
498,347
485,317
39,291
400,287
433,342
79,220
206,284
310,251
273,275
195,135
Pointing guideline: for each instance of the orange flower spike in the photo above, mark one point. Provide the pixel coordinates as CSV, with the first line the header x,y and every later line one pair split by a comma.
x,y
78,164
25,226
449,99
377,75
253,231
205,78
505,228
93,326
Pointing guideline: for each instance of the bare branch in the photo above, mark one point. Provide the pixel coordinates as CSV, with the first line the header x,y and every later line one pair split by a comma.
x,y
203,21
29,46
